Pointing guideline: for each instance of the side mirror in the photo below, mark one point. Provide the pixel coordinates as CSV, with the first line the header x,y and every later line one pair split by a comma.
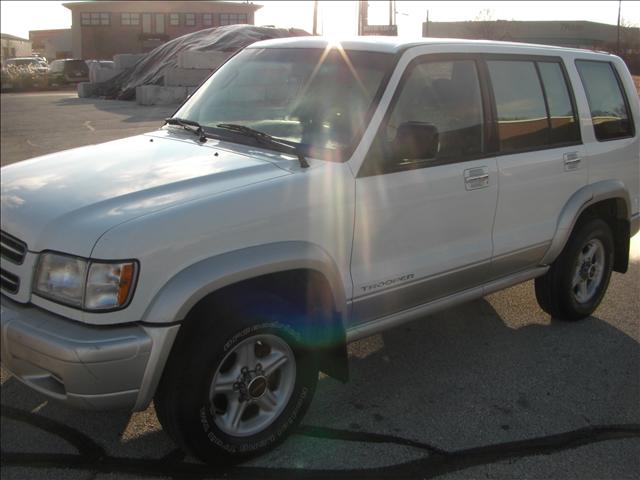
x,y
416,140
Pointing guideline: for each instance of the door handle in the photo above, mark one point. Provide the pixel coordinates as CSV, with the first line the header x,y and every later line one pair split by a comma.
x,y
571,161
475,178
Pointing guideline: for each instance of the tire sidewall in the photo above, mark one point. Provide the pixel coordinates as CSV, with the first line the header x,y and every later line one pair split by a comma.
x,y
593,229
197,417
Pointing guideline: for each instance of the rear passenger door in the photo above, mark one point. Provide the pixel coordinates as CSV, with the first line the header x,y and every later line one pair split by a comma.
x,y
423,225
540,156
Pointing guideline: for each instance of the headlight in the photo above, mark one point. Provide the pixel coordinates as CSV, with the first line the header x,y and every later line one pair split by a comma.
x,y
91,285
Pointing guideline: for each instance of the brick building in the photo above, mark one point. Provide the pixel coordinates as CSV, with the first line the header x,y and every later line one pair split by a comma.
x,y
102,29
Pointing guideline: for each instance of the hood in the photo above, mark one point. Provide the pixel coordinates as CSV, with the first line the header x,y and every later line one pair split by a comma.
x,y
66,200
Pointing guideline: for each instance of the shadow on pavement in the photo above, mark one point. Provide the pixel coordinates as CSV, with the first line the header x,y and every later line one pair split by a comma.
x,y
463,387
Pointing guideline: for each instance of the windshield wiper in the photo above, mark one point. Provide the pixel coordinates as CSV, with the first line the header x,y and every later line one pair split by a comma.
x,y
265,139
187,125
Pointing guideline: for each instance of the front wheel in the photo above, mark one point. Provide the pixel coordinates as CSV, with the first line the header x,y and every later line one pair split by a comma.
x,y
576,282
235,390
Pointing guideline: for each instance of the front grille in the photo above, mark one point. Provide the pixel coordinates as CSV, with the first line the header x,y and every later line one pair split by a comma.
x,y
12,249
9,282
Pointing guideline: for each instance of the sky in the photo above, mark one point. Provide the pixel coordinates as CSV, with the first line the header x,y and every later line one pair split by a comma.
x,y
337,18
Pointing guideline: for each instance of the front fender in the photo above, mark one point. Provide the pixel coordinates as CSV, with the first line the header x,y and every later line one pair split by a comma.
x,y
185,289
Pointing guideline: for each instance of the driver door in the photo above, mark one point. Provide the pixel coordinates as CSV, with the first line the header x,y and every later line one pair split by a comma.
x,y
423,225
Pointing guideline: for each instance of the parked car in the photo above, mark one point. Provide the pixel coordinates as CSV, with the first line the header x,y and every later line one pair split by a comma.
x,y
31,62
309,194
68,70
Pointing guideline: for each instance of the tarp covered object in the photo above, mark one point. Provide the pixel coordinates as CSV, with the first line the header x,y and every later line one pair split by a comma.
x,y
149,70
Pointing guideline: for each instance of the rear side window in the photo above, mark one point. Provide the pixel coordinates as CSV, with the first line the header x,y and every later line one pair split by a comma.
x,y
609,110
563,122
522,116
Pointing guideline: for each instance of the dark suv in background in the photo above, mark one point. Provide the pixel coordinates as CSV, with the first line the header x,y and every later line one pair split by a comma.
x,y
68,70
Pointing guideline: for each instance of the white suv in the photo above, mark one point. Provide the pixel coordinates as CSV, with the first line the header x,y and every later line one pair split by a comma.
x,y
311,193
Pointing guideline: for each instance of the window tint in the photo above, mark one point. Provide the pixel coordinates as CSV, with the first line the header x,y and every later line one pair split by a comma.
x,y
609,111
564,125
442,94
522,116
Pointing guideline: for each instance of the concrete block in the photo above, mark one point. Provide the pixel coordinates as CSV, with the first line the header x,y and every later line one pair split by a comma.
x,y
203,60
126,60
184,77
159,95
97,74
86,89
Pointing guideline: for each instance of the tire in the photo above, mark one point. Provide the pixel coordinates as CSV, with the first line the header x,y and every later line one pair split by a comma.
x,y
204,384
576,282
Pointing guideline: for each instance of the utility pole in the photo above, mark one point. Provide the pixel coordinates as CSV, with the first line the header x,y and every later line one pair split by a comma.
x,y
618,43
315,17
390,12
426,26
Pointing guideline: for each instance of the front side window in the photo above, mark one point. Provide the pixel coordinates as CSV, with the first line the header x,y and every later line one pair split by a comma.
x,y
316,99
442,99
522,115
609,111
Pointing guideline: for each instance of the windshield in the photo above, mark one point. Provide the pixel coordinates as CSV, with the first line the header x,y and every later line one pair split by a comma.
x,y
318,100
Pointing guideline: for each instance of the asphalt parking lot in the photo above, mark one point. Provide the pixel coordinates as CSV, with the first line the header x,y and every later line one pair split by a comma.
x,y
490,389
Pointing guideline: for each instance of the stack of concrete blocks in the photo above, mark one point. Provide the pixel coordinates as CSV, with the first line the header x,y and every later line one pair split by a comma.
x,y
101,73
181,81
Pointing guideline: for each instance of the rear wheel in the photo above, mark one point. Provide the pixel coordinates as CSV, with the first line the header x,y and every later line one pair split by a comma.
x,y
236,390
576,282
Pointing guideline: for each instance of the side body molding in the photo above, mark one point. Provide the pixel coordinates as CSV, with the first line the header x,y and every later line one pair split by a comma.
x,y
580,201
184,290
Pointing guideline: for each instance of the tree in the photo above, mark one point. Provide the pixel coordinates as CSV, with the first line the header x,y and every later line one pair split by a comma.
x,y
485,27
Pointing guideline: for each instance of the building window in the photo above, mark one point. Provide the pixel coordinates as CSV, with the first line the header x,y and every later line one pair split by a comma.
x,y
146,23
95,18
130,19
159,22
207,19
233,18
189,19
174,19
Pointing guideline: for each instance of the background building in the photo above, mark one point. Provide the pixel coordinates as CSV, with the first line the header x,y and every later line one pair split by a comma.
x,y
101,29
51,44
578,34
574,34
13,46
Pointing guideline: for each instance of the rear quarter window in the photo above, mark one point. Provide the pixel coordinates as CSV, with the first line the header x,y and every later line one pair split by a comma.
x,y
607,102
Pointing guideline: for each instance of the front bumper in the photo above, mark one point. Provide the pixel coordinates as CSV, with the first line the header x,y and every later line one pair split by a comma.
x,y
84,366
